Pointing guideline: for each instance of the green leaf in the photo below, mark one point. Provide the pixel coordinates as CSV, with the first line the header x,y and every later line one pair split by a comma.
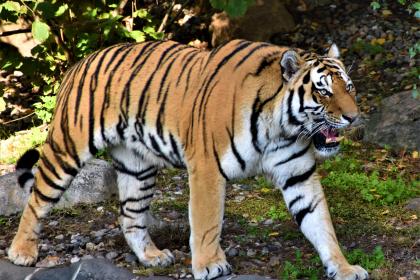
x,y
40,31
416,5
12,6
61,10
375,5
137,35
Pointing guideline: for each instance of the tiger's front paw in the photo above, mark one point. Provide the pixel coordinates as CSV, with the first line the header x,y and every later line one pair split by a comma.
x,y
347,272
23,253
157,258
212,270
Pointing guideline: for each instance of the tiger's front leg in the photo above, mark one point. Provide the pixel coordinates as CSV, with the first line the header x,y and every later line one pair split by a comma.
x,y
206,207
304,197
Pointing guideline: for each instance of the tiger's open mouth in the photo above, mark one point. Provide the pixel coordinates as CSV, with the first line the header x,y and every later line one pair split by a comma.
x,y
327,138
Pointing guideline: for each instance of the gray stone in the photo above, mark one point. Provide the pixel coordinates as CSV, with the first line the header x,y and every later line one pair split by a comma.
x,y
90,269
396,122
414,204
96,182
111,255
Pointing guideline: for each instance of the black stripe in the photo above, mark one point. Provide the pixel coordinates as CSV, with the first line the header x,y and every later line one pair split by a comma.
x,y
33,212
235,151
65,167
148,187
266,62
292,119
299,178
136,199
300,215
296,199
48,181
122,213
119,166
138,211
252,51
301,97
25,177
257,108
44,197
175,147
323,68
50,167
307,77
219,166
190,56
293,156
87,63
137,227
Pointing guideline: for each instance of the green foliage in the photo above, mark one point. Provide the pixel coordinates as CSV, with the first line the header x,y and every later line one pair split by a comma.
x,y
346,174
67,32
45,108
375,5
363,47
234,8
368,261
278,213
299,270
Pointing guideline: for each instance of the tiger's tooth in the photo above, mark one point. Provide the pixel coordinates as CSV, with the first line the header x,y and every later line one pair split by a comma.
x,y
339,138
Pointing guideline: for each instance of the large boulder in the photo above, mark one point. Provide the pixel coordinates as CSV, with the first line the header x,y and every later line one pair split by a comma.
x,y
261,21
96,182
396,123
93,269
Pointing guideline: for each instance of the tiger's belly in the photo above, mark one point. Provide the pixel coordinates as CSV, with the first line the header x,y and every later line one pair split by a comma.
x,y
162,149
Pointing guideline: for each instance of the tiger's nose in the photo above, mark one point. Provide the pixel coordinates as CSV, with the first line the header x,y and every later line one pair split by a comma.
x,y
350,117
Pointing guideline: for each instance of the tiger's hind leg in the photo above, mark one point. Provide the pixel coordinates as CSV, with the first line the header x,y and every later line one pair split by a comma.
x,y
136,185
55,172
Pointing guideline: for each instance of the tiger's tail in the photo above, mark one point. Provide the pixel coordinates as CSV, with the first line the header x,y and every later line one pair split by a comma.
x,y
24,168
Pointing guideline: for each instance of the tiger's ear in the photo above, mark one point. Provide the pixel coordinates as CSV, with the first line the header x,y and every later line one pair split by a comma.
x,y
290,64
333,51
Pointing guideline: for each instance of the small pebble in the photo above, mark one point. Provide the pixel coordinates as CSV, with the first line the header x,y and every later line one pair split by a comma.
x,y
90,246
130,258
111,255
232,252
74,259
59,237
251,253
53,223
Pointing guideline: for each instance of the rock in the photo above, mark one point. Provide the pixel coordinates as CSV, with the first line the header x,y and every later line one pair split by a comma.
x,y
53,223
413,204
74,259
90,269
251,253
272,18
396,123
59,237
232,252
90,246
274,261
96,182
111,255
130,258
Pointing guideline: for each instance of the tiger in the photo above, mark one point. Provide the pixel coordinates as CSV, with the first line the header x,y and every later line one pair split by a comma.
x,y
242,109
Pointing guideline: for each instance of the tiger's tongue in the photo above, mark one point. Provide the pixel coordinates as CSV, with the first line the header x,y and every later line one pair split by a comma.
x,y
330,134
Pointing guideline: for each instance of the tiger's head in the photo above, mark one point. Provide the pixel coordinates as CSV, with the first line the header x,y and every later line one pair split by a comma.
x,y
322,98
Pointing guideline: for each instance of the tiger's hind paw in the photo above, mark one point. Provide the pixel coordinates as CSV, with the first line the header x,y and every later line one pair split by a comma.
x,y
349,272
212,270
25,254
